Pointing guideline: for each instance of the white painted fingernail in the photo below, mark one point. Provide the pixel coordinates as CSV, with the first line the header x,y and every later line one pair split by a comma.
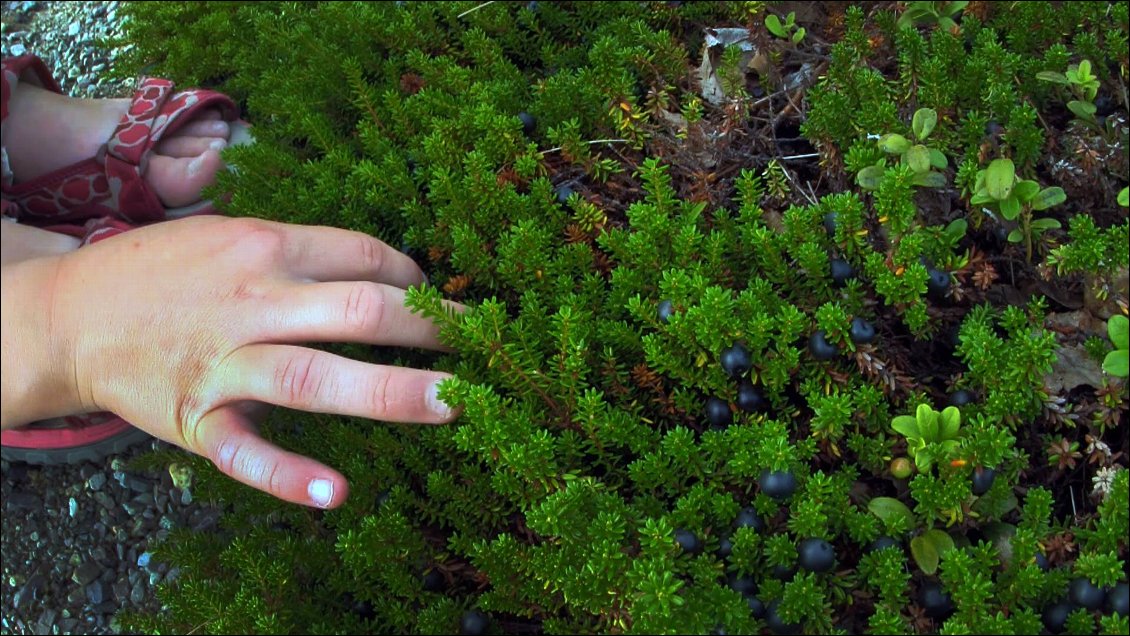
x,y
435,404
218,144
195,165
321,492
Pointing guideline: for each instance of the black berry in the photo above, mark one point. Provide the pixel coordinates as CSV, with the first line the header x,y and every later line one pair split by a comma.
x,y
841,271
935,601
725,548
816,555
882,543
718,412
735,360
983,480
563,193
820,348
1104,105
756,607
666,308
777,484
688,541
962,398
1084,594
742,584
776,624
862,332
750,399
830,224
529,123
938,283
473,622
433,581
1055,616
1042,562
748,518
1118,601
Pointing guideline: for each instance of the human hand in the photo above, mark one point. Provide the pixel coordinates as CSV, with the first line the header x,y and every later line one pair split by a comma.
x,y
188,328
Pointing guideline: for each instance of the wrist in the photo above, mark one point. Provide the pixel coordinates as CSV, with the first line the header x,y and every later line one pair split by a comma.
x,y
36,378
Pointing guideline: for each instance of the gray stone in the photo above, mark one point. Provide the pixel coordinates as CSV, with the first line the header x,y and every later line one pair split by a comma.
x,y
76,596
137,594
24,501
74,29
72,507
86,573
96,481
17,50
95,592
29,592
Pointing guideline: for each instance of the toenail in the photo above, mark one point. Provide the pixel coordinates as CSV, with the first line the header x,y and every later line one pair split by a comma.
x,y
195,165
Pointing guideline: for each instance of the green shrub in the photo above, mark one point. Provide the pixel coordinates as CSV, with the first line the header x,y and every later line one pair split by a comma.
x,y
559,500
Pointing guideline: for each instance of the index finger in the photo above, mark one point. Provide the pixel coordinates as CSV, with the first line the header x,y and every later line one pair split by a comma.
x,y
322,253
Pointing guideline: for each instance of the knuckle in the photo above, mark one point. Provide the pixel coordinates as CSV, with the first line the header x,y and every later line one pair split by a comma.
x,y
379,399
258,237
364,308
300,379
372,256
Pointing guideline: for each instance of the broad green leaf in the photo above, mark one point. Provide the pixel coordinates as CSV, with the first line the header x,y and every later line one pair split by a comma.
x,y
1118,328
870,177
925,554
924,121
1049,197
919,158
1124,197
940,539
887,508
981,197
937,159
906,426
894,143
951,420
1010,208
1000,177
1117,363
1052,76
1082,110
798,36
927,422
946,24
923,459
956,6
1085,69
1025,190
929,179
956,229
1016,236
1044,225
773,23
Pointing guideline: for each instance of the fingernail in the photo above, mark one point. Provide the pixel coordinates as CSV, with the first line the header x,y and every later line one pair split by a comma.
x,y
218,144
435,404
195,165
220,127
321,492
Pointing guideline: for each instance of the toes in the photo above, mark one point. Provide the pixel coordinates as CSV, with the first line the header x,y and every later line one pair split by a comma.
x,y
180,147
178,181
203,128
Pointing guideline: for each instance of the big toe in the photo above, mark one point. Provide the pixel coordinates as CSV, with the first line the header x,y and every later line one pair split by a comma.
x,y
179,180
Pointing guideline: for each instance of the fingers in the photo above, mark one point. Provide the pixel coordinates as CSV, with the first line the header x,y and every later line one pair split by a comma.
x,y
232,442
319,253
320,382
182,147
358,311
205,128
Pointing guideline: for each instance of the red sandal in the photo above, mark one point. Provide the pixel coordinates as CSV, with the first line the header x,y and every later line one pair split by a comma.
x,y
93,200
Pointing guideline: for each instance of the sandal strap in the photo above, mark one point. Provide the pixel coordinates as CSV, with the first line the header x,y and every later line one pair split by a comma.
x,y
112,182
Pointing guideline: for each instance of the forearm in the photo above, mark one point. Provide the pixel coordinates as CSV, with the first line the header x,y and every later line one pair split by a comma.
x,y
35,379
21,242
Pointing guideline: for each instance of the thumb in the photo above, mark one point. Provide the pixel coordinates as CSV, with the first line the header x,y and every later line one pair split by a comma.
x,y
228,438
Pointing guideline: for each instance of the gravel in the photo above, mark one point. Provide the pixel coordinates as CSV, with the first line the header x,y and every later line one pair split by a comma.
x,y
76,538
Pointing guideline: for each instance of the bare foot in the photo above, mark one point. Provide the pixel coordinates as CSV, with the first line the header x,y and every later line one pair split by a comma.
x,y
46,131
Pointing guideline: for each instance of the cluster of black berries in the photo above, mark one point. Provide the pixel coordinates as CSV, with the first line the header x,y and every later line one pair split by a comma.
x,y
1082,594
